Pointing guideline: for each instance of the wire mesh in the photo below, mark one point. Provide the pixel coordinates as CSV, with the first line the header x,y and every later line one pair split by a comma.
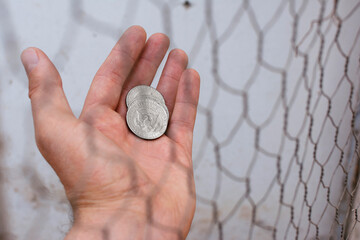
x,y
276,148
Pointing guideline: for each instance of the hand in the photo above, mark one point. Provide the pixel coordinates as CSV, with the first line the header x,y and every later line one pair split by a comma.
x,y
120,186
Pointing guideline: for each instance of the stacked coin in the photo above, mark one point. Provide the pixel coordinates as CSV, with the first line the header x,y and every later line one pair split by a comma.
x,y
147,115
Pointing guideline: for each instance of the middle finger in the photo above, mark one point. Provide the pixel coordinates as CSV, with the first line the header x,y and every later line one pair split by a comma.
x,y
146,66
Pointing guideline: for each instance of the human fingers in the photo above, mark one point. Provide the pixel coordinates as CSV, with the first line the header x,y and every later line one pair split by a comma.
x,y
170,77
146,66
109,79
182,121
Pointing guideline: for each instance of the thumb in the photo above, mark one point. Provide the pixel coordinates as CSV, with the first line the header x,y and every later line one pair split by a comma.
x,y
45,85
48,102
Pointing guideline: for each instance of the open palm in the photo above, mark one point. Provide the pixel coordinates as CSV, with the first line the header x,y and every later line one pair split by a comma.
x,y
120,186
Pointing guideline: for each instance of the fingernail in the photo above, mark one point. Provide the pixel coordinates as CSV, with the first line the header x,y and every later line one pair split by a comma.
x,y
29,59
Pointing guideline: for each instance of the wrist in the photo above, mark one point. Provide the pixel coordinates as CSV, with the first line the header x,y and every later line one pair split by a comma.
x,y
117,226
98,223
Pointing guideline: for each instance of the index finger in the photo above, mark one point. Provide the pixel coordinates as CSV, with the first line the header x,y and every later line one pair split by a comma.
x,y
108,81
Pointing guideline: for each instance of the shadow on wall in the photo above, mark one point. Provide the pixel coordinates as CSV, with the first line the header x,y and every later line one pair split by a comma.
x,y
4,234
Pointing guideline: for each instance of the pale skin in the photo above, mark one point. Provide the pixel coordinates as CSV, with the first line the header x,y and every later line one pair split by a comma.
x,y
120,186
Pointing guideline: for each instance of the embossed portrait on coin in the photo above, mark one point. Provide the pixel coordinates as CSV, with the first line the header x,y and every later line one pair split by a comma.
x,y
147,121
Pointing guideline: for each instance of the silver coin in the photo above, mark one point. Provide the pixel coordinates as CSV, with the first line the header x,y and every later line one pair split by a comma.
x,y
147,118
143,90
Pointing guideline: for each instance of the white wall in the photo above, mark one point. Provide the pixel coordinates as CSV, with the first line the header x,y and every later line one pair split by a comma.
x,y
244,87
